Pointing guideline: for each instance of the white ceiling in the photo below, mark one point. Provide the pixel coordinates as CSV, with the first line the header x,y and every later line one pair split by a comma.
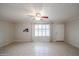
x,y
56,12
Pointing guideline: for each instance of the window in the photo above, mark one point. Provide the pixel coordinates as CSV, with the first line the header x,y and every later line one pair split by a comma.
x,y
42,30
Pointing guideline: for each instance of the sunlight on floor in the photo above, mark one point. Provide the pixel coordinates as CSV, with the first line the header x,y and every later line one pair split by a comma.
x,y
41,50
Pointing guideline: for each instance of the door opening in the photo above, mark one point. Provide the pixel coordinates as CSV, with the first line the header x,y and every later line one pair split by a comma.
x,y
41,32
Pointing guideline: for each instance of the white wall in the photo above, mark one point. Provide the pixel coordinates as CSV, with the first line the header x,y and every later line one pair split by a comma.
x,y
23,36
58,32
6,33
72,32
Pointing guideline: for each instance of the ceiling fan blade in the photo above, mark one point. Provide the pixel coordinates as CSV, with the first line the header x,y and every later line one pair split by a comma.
x,y
44,17
30,15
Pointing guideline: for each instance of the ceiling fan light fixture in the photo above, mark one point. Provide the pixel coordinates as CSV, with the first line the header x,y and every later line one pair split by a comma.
x,y
38,14
37,18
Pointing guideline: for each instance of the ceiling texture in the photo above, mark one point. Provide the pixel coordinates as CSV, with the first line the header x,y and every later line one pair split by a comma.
x,y
57,12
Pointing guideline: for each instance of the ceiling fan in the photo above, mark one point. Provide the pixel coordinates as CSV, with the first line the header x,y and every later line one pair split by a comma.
x,y
38,16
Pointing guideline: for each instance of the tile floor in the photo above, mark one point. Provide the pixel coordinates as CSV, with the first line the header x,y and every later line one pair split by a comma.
x,y
39,49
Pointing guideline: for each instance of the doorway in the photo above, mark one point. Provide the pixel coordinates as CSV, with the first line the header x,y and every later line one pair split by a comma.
x,y
41,32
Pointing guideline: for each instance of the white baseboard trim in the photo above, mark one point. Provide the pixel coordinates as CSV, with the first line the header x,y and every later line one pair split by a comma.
x,y
6,44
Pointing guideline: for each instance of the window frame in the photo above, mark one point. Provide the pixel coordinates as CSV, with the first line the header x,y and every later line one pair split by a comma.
x,y
43,30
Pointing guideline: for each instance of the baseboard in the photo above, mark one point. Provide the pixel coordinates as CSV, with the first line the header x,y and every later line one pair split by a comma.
x,y
6,44
71,44
59,41
22,41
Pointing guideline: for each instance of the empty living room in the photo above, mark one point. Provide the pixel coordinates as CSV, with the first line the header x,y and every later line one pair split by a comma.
x,y
39,29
